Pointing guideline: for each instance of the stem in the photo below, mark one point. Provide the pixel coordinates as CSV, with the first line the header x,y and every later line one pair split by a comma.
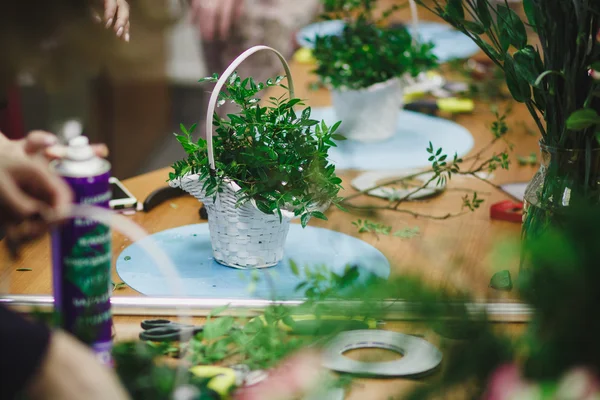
x,y
408,195
536,118
386,183
412,213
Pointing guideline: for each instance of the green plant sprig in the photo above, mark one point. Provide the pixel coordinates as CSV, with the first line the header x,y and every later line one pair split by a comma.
x,y
277,155
376,228
442,169
366,53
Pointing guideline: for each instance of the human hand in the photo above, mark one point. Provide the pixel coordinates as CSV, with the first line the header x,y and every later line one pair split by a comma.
x,y
214,18
28,189
70,371
27,186
116,15
46,144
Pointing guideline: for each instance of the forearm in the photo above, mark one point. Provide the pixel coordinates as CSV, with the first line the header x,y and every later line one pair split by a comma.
x,y
70,371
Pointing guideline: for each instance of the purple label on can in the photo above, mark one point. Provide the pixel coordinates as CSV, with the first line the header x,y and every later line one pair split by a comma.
x,y
81,258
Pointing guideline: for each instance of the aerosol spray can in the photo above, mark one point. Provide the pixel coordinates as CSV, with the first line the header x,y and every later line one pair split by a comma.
x,y
81,252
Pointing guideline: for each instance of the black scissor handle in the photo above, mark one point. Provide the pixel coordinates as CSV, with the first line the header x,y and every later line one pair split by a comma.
x,y
169,333
161,195
155,323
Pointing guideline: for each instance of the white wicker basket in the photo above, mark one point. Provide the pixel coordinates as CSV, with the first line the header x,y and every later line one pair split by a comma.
x,y
243,236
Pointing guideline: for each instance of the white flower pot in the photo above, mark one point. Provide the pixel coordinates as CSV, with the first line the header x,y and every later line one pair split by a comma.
x,y
370,114
243,236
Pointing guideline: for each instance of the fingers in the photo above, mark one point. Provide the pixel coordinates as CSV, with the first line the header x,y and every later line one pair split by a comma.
x,y
58,151
110,9
122,22
37,182
207,21
17,204
126,35
17,235
238,9
116,15
100,150
204,16
226,18
38,141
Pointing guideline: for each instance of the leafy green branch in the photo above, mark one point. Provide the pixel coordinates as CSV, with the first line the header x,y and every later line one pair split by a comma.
x,y
277,155
441,172
366,52
366,226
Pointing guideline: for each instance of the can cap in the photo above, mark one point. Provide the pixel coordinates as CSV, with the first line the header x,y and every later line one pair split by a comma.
x,y
71,129
79,149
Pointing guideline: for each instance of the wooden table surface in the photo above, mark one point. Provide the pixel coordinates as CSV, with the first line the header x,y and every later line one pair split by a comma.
x,y
462,252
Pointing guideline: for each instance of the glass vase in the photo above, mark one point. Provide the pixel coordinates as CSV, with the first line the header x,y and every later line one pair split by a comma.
x,y
567,180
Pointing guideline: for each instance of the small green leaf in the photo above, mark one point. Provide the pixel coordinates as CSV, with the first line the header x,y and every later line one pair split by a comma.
x,y
454,10
511,27
517,85
339,137
218,310
474,27
483,12
582,119
528,64
319,215
335,128
294,268
530,12
407,233
118,286
501,281
304,219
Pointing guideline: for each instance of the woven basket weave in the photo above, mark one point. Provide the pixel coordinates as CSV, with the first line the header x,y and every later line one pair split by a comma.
x,y
243,236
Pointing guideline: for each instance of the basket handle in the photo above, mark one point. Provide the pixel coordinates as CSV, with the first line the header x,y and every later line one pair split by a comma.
x,y
221,82
415,18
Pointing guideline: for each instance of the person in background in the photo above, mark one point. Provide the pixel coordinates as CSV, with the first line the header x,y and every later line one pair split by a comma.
x,y
229,27
34,361
114,16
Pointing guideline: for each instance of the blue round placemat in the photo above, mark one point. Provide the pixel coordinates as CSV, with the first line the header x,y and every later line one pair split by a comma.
x,y
202,277
449,43
406,149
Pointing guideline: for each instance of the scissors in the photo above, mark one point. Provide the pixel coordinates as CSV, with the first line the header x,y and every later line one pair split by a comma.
x,y
163,330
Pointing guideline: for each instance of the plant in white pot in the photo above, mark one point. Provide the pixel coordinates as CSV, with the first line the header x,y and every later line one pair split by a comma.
x,y
266,165
364,68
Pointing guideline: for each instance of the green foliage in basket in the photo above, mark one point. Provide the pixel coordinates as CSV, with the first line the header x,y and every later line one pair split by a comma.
x,y
277,155
367,53
551,78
